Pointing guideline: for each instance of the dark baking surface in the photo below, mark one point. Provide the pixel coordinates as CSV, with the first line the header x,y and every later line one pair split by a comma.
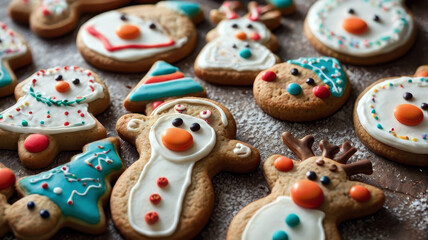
x,y
405,213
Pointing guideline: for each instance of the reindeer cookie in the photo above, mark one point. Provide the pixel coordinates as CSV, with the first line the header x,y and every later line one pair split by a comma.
x,y
239,47
359,31
303,89
54,113
14,53
391,118
54,18
7,186
167,193
163,81
136,37
309,197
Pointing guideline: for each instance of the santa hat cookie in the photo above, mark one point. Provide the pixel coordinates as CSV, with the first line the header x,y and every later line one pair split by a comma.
x,y
308,197
167,193
54,113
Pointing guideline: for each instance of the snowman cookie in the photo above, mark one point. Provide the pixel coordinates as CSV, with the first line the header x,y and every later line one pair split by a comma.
x,y
391,118
239,47
54,18
167,193
53,113
136,37
303,89
163,81
359,31
7,186
70,195
14,53
308,197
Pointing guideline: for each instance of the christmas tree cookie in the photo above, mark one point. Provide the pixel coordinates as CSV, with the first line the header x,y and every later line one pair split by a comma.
x,y
167,193
54,113
162,82
308,197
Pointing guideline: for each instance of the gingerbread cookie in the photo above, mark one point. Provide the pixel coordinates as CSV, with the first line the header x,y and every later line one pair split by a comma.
x,y
301,90
136,37
162,82
14,53
7,186
167,193
239,47
359,31
391,118
308,197
54,113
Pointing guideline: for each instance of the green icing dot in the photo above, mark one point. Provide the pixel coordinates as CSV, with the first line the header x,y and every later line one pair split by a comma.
x,y
292,220
279,235
24,123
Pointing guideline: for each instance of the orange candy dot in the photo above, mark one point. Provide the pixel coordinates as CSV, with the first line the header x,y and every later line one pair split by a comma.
x,y
307,194
423,73
408,114
241,35
177,139
355,25
128,31
62,86
7,178
283,164
359,193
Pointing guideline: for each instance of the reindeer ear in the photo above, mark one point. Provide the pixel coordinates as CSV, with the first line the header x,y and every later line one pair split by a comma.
x,y
265,14
226,11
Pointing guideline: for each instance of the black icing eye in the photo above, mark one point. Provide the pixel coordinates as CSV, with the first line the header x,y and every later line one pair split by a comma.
x,y
407,96
250,25
30,205
123,17
424,106
177,122
195,127
325,180
59,78
234,46
152,26
247,45
311,175
44,213
351,11
294,71
310,81
376,18
76,81
235,25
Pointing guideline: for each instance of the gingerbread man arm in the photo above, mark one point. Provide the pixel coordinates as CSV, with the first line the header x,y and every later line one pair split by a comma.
x,y
131,126
239,156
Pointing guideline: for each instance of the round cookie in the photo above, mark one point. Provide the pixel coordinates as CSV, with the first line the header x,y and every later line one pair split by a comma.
x,y
361,32
391,118
302,90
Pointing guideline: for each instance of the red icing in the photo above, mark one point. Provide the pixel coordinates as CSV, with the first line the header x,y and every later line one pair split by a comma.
x,y
155,198
156,104
7,178
36,143
45,185
151,217
321,91
162,182
268,76
164,78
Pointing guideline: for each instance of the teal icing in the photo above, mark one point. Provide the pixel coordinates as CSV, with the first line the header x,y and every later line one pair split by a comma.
x,y
189,9
281,3
163,68
329,70
5,78
85,206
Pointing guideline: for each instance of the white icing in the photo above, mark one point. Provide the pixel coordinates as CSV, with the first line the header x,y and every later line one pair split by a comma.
x,y
57,190
220,54
385,102
106,23
176,167
241,150
225,29
10,45
271,218
333,12
134,125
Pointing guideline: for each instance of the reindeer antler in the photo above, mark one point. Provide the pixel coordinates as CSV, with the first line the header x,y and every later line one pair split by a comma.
x,y
347,151
226,10
301,147
361,166
328,150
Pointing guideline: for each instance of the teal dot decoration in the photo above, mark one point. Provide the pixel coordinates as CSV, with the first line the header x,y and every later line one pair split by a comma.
x,y
245,53
279,235
292,220
294,89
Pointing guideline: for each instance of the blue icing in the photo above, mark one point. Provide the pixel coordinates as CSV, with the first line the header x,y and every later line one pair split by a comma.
x,y
163,68
189,9
84,208
329,70
281,3
5,78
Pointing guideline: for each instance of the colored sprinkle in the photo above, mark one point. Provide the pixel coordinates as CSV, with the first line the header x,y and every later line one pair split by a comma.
x,y
44,185
24,123
42,122
414,139
379,126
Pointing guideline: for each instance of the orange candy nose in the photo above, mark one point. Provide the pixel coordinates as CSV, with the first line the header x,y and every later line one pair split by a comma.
x,y
62,86
241,35
7,178
408,114
355,25
177,139
307,194
128,31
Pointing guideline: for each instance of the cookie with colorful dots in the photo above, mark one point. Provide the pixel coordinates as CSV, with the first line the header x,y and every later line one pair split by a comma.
x,y
308,197
54,18
138,36
361,32
167,193
7,187
391,118
304,89
53,113
239,47
14,53
163,81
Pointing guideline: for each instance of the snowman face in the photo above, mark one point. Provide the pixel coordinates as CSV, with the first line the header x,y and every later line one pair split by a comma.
x,y
245,28
395,112
127,37
359,27
10,45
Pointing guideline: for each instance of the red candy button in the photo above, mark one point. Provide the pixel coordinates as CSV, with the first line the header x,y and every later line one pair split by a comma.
x,y
283,164
7,178
321,91
151,217
359,193
162,182
307,194
255,36
355,25
36,143
268,76
408,114
155,198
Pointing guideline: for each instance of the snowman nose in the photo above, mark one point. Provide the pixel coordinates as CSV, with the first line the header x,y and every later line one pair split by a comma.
x,y
408,114
128,31
62,86
241,35
355,25
177,139
307,194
